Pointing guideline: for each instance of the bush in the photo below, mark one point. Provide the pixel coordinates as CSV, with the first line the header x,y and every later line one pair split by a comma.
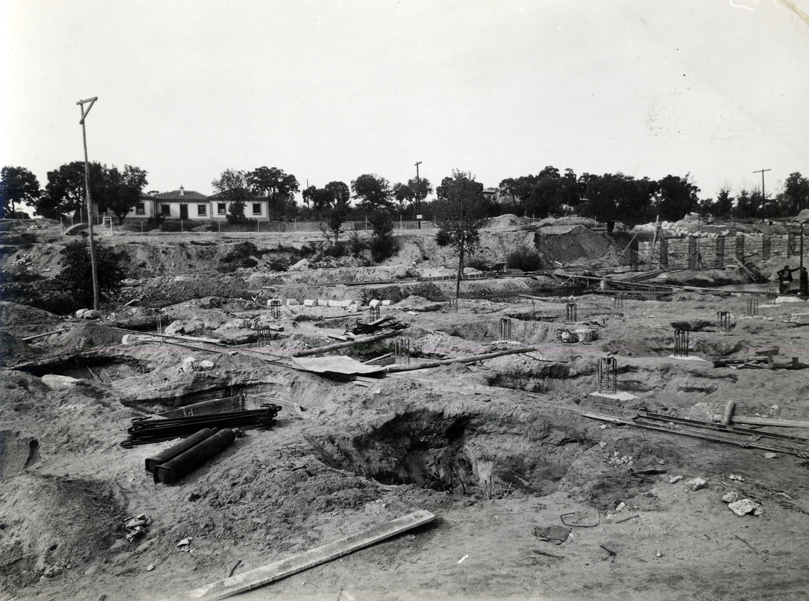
x,y
356,244
76,275
382,244
443,238
478,264
525,259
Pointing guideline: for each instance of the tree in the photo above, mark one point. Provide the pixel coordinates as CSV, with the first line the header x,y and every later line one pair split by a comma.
x,y
122,190
383,244
412,193
233,187
616,197
76,276
373,192
318,198
64,193
723,205
277,186
459,214
796,192
17,185
677,197
339,204
745,206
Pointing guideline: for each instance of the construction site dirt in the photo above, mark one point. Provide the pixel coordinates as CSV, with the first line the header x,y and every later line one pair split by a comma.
x,y
584,431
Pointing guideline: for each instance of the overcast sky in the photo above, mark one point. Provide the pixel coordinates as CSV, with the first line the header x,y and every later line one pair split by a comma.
x,y
329,90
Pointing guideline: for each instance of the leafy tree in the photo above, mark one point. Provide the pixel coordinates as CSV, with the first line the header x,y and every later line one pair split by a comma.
x,y
459,214
616,197
550,192
318,198
17,185
122,190
277,186
76,274
677,197
723,205
233,187
383,244
64,193
373,192
745,205
339,204
412,193
519,189
796,192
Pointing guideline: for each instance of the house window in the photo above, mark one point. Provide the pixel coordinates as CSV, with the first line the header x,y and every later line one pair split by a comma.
x,y
220,208
140,209
165,209
201,211
256,208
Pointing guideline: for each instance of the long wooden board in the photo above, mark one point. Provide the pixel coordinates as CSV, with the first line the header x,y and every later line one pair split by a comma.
x,y
303,561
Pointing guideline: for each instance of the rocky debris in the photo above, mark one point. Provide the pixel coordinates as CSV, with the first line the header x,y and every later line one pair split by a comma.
x,y
697,483
88,314
746,506
56,382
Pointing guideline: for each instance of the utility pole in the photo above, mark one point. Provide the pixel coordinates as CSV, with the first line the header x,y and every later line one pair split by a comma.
x,y
418,195
761,171
84,112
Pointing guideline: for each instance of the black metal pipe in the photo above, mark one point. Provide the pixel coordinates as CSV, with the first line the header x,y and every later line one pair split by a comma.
x,y
187,462
179,448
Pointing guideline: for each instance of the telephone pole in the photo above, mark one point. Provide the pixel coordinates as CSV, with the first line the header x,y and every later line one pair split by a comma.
x,y
418,194
761,171
81,104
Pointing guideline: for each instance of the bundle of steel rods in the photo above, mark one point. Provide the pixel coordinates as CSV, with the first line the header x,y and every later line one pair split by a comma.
x,y
149,430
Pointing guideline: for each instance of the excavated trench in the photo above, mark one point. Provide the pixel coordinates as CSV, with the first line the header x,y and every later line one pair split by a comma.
x,y
476,450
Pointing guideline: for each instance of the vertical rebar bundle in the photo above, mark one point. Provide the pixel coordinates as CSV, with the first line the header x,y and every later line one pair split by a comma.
x,y
401,351
681,343
618,302
752,307
608,375
452,305
275,308
373,313
724,321
652,293
263,336
570,312
505,328
159,322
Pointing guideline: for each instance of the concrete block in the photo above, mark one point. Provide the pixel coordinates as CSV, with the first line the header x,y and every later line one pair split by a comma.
x,y
386,303
334,303
292,302
309,302
374,303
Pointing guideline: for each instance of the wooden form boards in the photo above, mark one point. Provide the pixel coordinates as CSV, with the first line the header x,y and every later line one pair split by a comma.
x,y
303,561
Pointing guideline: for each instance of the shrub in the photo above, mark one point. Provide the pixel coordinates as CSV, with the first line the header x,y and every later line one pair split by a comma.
x,y
76,275
382,244
443,238
478,264
356,244
525,259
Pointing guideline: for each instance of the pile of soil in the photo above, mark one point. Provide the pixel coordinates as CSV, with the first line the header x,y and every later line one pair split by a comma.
x,y
90,334
14,349
575,244
503,222
15,316
72,522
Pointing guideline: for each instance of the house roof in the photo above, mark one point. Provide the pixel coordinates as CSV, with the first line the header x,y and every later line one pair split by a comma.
x,y
181,195
221,196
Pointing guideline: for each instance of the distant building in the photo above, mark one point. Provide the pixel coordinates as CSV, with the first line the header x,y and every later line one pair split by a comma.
x,y
187,204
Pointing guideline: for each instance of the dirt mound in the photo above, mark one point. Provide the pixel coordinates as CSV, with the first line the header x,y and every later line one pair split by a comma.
x,y
419,303
575,244
15,316
72,521
12,348
90,334
504,222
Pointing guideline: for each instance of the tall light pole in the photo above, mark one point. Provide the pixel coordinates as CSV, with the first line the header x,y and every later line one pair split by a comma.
x,y
761,171
84,112
418,195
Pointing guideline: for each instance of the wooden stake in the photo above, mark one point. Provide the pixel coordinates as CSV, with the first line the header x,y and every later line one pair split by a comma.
x,y
253,579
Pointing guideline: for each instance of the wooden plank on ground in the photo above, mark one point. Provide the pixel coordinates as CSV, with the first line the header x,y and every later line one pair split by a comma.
x,y
303,561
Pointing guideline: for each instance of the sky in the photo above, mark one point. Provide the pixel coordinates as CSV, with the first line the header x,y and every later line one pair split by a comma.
x,y
330,90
